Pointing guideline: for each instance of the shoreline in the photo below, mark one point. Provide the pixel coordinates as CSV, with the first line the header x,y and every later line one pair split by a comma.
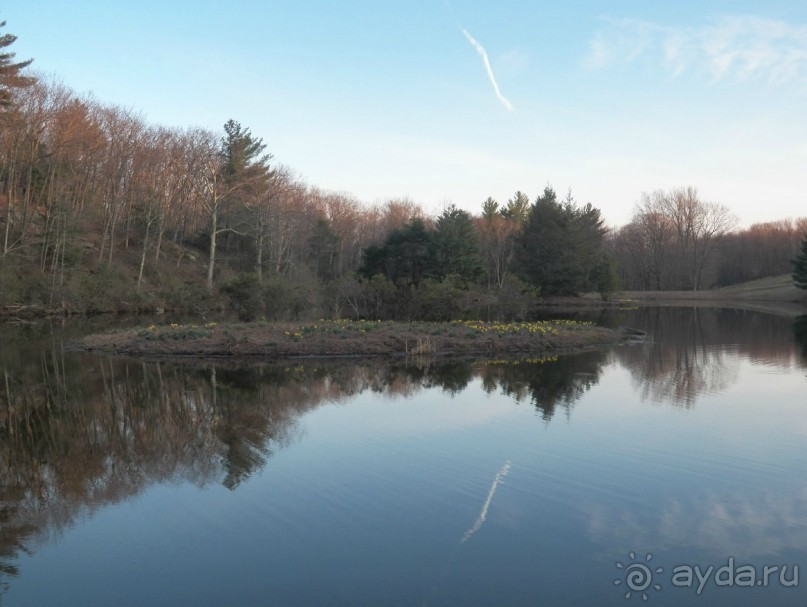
x,y
352,339
775,294
791,309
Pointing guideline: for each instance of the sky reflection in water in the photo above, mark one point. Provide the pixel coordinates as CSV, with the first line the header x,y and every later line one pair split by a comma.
x,y
412,483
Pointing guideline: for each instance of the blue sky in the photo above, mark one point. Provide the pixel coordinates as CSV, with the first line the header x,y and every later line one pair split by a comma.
x,y
389,99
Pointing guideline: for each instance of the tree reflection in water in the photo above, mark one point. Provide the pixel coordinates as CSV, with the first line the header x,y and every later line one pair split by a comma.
x,y
551,384
78,432
696,350
800,334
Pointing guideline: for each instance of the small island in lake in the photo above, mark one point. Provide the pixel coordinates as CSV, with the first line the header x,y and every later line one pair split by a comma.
x,y
327,338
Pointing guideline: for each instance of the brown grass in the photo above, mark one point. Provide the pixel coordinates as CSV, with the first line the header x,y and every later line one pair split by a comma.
x,y
352,338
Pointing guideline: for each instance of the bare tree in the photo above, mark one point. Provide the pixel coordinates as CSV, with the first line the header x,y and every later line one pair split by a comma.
x,y
213,192
261,209
655,233
715,221
497,229
699,227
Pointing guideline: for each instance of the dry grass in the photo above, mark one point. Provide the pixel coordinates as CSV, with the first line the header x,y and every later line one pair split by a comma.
x,y
776,288
777,295
352,338
421,346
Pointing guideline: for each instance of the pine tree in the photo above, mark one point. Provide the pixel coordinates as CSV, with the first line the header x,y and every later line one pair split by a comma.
x,y
560,248
543,251
244,161
405,258
517,208
800,266
456,248
239,175
10,72
490,209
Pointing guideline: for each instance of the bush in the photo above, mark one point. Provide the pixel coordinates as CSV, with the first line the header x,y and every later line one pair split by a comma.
x,y
379,298
275,293
104,289
13,291
244,293
291,298
188,295
515,299
438,300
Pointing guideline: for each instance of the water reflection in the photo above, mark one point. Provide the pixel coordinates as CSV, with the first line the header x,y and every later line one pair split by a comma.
x,y
697,351
800,334
551,386
726,523
79,432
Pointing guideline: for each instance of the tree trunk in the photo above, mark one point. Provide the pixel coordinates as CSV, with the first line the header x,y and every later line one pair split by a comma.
x,y
212,258
259,256
9,219
160,230
143,255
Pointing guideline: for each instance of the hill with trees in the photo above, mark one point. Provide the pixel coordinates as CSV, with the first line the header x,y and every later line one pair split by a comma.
x,y
102,211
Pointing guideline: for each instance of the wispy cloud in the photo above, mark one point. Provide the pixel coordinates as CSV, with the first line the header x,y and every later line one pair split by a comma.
x,y
738,48
483,515
486,62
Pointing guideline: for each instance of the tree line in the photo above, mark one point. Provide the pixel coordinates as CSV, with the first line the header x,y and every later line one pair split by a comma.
x,y
100,210
677,241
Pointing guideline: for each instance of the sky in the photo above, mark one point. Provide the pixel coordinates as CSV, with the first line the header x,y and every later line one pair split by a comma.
x,y
453,102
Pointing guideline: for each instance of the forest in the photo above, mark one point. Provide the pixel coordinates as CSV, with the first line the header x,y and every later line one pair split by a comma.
x,y
101,211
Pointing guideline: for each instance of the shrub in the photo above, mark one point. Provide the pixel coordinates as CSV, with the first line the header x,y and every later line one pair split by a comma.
x,y
245,295
187,295
515,299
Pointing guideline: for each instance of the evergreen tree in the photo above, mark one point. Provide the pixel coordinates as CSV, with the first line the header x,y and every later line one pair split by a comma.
x,y
800,266
456,247
542,248
517,208
560,248
406,257
244,167
490,209
10,72
239,176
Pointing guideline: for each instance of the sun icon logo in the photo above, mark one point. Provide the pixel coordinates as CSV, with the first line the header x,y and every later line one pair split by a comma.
x,y
638,576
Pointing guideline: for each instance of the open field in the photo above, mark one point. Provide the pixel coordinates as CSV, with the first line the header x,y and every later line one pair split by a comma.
x,y
775,294
353,338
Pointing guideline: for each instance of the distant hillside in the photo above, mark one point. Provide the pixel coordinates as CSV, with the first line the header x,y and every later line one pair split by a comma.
x,y
773,290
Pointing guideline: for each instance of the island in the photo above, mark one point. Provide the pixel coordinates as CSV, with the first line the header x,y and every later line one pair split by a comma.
x,y
341,338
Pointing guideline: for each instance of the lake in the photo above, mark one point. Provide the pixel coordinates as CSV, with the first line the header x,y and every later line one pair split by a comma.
x,y
673,469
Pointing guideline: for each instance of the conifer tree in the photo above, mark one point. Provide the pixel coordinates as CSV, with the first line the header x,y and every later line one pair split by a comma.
x,y
10,72
456,248
560,248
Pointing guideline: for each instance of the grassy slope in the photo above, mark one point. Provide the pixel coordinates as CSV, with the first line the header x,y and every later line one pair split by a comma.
x,y
775,294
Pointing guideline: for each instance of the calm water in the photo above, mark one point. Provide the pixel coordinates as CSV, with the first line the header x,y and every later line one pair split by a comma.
x,y
422,483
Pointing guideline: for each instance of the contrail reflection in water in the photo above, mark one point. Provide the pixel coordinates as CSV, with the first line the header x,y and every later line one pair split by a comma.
x,y
484,513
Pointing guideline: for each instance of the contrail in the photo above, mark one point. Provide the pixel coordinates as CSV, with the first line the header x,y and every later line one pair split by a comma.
x,y
483,515
486,62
